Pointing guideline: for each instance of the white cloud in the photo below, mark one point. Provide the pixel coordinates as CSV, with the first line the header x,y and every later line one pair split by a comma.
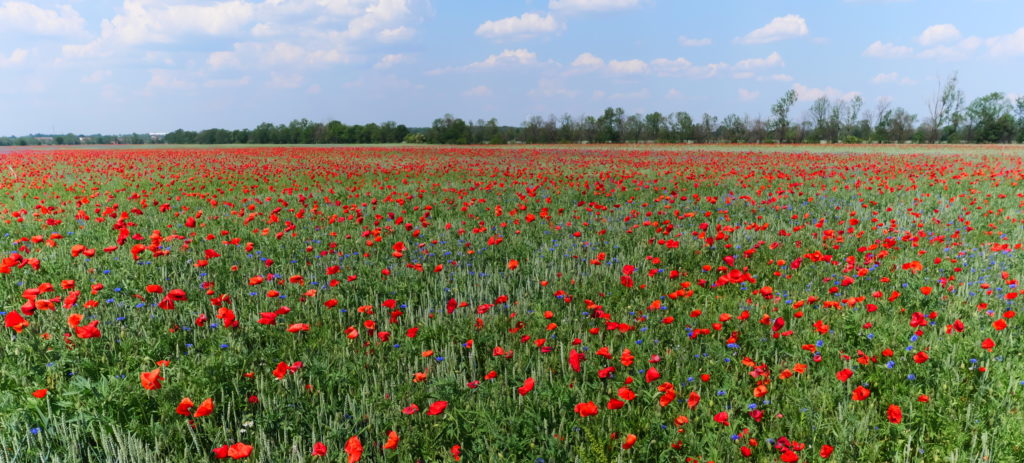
x,y
892,78
549,88
592,5
588,61
264,30
662,67
324,7
805,93
632,66
778,77
671,66
396,34
1007,45
690,42
249,54
90,49
331,27
285,80
520,27
886,78
748,95
388,61
938,33
507,58
158,57
774,59
519,56
784,27
167,78
16,57
143,22
479,90
887,50
377,16
97,76
26,17
383,20
682,67
706,71
224,59
225,83
959,50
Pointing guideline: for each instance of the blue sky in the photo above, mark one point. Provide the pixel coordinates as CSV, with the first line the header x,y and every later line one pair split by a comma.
x,y
88,66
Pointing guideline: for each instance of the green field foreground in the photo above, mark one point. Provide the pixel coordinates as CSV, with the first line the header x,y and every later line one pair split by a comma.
x,y
547,303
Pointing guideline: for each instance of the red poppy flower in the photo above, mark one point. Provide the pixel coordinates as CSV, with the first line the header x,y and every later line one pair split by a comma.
x,y
204,409
586,409
14,321
392,442
693,400
437,408
184,407
861,393
354,449
894,414
151,380
526,387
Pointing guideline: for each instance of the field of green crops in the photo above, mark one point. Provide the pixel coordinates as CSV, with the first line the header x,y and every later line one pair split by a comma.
x,y
532,303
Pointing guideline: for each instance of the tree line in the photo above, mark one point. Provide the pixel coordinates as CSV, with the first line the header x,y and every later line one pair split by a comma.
x,y
300,131
71,139
991,118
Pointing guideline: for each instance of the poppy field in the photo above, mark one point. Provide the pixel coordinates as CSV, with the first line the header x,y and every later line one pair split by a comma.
x,y
535,304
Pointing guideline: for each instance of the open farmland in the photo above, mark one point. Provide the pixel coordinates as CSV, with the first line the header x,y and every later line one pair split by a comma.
x,y
548,304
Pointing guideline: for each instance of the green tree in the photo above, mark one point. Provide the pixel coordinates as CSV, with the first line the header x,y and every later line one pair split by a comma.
x,y
706,129
633,128
989,118
946,109
733,129
654,125
780,113
683,126
1019,110
900,125
449,130
610,125
819,112
850,117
